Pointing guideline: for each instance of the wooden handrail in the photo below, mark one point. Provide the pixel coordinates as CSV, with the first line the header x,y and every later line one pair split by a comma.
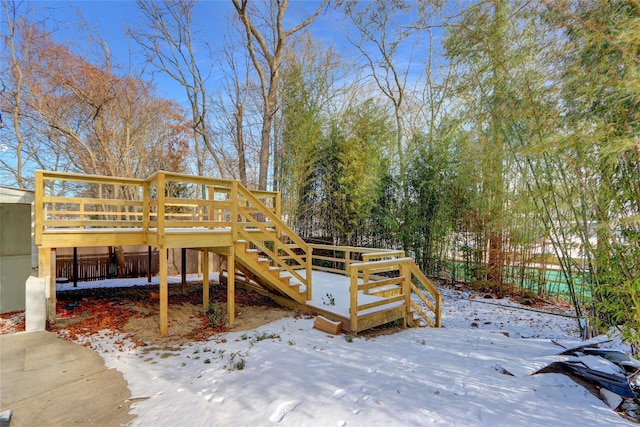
x,y
430,287
362,269
386,254
280,228
348,248
91,179
402,287
381,263
142,204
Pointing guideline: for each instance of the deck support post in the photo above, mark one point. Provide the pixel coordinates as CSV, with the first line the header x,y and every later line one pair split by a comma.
x,y
47,270
183,272
231,285
164,293
53,299
75,267
149,260
205,280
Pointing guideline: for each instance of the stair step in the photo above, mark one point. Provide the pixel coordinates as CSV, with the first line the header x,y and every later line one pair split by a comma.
x,y
295,286
285,279
418,320
269,275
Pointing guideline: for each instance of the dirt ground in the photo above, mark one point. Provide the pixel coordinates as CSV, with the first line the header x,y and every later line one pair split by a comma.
x,y
135,311
184,320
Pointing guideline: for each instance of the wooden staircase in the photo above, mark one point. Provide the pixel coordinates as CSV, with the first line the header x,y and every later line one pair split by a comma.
x,y
273,278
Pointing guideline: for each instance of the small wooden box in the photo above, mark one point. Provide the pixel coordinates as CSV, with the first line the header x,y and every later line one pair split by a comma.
x,y
328,326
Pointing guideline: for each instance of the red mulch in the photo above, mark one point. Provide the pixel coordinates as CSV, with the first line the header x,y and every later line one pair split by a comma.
x,y
93,310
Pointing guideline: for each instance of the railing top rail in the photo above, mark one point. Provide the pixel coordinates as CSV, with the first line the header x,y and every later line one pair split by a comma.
x,y
93,179
194,179
369,255
219,184
221,189
248,194
347,248
428,284
264,193
382,262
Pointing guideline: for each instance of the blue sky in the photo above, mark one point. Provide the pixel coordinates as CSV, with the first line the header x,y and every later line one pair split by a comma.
x,y
110,18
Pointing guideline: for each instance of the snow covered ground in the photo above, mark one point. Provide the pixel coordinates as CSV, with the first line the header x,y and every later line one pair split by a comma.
x,y
473,372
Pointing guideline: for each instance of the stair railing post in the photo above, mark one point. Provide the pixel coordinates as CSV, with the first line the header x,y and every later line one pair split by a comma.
x,y
146,196
278,207
438,310
309,268
160,209
347,258
405,271
353,299
234,211
210,206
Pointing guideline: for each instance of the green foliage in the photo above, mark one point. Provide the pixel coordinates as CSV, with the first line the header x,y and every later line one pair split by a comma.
x,y
215,316
329,301
350,170
236,362
600,80
305,90
538,145
433,179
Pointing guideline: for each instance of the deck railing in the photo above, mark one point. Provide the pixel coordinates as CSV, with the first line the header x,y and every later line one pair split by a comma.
x,y
394,282
434,305
269,223
387,274
336,259
164,200
97,202
169,202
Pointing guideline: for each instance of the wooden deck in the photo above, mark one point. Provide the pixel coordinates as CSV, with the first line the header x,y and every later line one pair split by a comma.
x,y
171,210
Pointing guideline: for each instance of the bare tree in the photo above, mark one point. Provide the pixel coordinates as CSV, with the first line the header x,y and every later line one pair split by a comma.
x,y
266,41
88,118
387,49
168,37
27,146
231,104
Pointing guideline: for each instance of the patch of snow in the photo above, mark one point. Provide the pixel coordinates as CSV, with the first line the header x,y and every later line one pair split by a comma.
x,y
127,283
283,409
475,371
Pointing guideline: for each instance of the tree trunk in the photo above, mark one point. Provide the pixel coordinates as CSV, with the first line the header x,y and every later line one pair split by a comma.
x,y
122,266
